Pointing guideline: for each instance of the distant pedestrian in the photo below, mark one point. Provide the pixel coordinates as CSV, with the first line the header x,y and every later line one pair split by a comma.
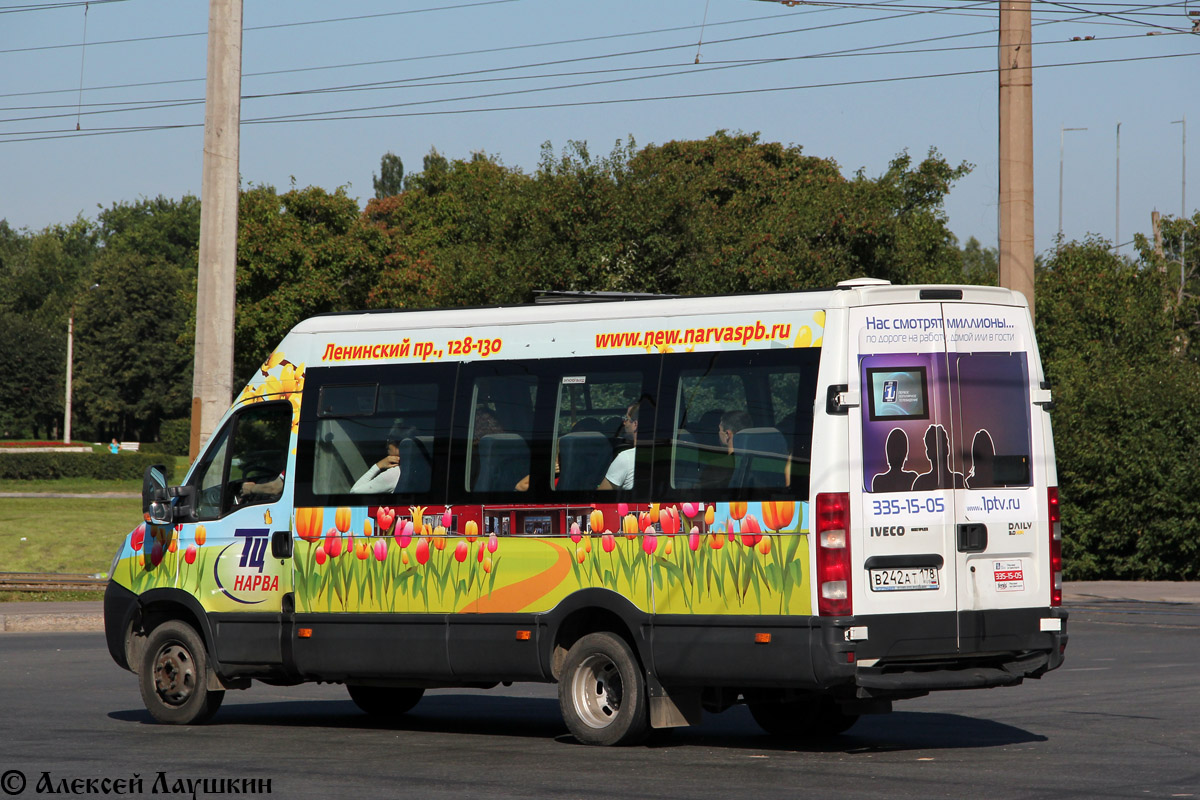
x,y
114,446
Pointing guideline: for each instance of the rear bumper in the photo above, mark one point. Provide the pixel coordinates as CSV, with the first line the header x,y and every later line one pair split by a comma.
x,y
905,654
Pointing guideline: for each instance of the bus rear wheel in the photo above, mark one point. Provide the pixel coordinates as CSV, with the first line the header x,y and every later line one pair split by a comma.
x,y
174,676
602,692
385,701
813,720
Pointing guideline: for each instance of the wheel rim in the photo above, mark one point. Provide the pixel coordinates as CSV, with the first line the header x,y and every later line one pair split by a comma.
x,y
597,691
174,674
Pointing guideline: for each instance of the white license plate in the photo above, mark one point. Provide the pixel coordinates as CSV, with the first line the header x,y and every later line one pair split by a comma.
x,y
908,579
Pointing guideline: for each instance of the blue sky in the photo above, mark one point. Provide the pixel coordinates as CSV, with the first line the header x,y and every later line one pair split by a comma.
x,y
860,100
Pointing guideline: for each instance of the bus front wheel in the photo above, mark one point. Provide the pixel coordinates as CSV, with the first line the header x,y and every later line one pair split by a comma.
x,y
174,676
602,692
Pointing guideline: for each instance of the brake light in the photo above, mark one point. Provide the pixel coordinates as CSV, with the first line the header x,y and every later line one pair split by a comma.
x,y
1055,546
834,597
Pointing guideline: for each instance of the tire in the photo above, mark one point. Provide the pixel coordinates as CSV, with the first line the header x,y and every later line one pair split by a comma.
x,y
385,702
602,692
174,676
812,720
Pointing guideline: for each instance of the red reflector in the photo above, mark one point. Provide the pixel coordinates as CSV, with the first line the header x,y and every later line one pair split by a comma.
x,y
304,633
762,638
524,636
850,657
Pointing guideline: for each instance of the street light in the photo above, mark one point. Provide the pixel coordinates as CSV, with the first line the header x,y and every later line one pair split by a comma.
x,y
1117,236
1182,205
70,362
1061,139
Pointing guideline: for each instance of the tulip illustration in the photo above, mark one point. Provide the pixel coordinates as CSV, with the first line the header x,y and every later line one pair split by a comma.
x,y
649,543
608,542
333,543
694,539
380,549
480,551
487,564
156,554
576,534
320,556
777,515
418,516
201,535
267,516
764,545
422,551
492,543
622,509
669,520
138,538
689,510
404,557
710,515
596,520
580,555
308,524
367,529
439,543
654,512
341,519
629,525
404,534
751,531
385,517
716,540
189,555
471,530
669,546
460,552
737,510
447,518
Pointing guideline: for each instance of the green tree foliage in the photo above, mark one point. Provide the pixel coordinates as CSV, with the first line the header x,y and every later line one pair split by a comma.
x,y
724,214
1126,423
390,180
300,253
1179,265
133,354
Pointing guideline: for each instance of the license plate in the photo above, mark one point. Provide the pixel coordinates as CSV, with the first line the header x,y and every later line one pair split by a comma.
x,y
909,579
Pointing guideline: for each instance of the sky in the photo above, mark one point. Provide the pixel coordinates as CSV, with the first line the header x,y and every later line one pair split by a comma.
x,y
102,102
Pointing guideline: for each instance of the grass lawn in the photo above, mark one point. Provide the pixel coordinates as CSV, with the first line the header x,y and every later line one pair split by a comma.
x,y
71,486
63,535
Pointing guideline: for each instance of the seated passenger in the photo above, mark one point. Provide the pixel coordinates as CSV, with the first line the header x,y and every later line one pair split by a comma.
x,y
718,473
620,472
383,475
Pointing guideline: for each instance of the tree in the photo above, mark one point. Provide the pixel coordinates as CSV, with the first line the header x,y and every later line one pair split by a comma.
x,y
390,180
300,253
1178,264
1126,424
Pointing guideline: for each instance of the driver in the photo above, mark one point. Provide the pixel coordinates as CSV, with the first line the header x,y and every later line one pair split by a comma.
x,y
268,492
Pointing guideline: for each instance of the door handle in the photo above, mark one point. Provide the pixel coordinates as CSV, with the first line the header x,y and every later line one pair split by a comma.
x,y
972,537
281,544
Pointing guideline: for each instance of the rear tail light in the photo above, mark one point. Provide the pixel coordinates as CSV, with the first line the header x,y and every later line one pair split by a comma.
x,y
1055,547
834,596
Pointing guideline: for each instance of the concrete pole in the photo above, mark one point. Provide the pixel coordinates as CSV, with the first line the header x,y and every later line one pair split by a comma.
x,y
70,362
212,383
1117,243
1016,148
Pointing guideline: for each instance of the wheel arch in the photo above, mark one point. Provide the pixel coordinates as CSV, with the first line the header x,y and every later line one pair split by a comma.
x,y
591,611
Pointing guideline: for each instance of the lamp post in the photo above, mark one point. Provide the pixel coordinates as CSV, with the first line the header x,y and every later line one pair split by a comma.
x,y
1061,143
70,363
1117,235
1182,206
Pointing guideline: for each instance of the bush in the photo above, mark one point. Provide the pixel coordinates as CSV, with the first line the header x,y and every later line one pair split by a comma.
x,y
105,467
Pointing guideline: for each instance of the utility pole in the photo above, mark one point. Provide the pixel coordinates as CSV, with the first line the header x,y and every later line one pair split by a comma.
x,y
212,383
1117,240
1016,148
1182,209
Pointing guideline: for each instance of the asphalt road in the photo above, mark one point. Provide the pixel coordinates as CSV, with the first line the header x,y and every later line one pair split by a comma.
x,y
1120,719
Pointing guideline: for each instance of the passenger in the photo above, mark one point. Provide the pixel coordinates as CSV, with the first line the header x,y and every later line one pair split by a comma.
x,y
620,472
718,473
382,476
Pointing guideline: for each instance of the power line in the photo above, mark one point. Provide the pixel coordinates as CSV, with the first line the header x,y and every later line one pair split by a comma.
x,y
292,119
54,6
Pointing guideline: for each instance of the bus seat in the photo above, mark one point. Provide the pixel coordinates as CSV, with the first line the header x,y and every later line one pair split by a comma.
x,y
583,458
503,462
686,463
706,429
416,464
759,458
588,424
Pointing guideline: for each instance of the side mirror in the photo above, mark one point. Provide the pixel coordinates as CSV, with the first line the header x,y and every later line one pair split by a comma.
x,y
155,507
